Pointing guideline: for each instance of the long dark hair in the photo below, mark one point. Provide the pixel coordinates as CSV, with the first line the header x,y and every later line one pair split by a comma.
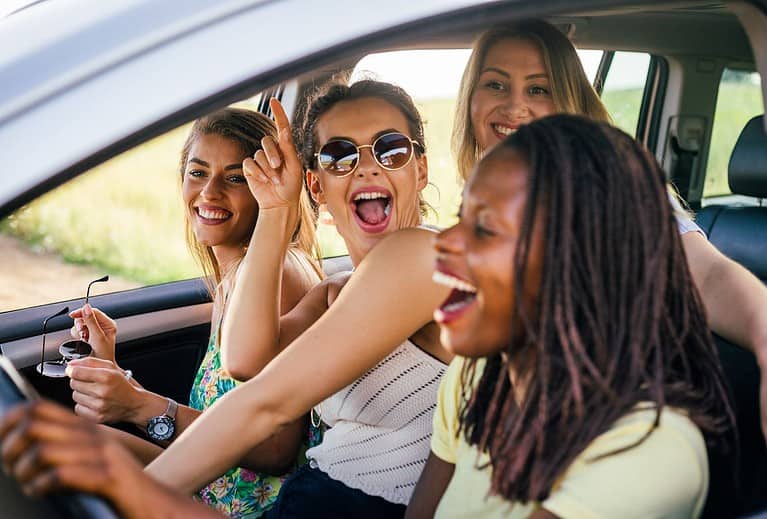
x,y
617,320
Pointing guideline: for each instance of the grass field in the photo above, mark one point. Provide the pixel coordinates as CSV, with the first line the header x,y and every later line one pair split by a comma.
x,y
125,216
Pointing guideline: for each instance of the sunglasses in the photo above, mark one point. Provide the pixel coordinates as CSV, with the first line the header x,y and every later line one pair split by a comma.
x,y
391,151
69,350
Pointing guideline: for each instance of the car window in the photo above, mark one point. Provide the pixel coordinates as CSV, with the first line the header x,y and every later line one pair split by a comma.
x,y
739,99
623,88
123,218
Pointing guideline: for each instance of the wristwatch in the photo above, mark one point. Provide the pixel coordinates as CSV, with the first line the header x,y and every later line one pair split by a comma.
x,y
161,428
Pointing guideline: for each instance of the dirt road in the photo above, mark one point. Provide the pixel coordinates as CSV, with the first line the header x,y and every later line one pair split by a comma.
x,y
30,278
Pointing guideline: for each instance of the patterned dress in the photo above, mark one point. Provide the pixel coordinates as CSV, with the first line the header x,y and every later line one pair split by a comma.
x,y
240,492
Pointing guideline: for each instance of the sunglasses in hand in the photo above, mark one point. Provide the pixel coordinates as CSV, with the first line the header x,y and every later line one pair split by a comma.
x,y
69,350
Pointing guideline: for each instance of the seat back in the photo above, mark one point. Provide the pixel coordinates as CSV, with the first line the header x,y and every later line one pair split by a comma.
x,y
741,234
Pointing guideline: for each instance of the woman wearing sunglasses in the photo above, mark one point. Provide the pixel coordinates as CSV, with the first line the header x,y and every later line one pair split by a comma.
x,y
372,363
221,214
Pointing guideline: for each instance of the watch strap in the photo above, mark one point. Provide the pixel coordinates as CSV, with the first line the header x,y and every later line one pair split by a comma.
x,y
172,409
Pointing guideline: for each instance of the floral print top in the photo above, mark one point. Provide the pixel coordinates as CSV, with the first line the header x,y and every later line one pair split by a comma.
x,y
240,492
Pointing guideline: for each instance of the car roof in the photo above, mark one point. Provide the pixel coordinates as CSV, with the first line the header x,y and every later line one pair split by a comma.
x,y
101,72
99,77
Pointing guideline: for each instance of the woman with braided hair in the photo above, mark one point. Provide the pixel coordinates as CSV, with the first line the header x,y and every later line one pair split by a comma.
x,y
588,382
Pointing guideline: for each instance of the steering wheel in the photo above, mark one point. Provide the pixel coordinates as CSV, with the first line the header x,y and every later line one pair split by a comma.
x,y
14,389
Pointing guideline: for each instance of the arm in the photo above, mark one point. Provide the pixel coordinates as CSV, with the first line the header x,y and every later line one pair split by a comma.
x,y
367,321
103,394
735,302
725,285
47,449
266,279
253,333
431,487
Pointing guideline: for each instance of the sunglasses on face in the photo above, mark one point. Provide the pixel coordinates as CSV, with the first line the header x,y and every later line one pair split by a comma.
x,y
69,350
391,151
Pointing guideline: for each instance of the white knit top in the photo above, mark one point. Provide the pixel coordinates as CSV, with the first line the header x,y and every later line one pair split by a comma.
x,y
380,425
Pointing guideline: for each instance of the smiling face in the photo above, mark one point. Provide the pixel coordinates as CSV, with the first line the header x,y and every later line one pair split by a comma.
x,y
513,88
220,207
476,259
371,202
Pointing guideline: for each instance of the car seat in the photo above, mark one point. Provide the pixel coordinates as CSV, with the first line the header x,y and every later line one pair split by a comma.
x,y
740,233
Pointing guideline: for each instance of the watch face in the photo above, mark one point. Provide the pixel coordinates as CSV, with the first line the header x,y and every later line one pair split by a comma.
x,y
161,428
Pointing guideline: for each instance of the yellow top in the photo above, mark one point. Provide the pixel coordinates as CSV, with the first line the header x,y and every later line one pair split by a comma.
x,y
665,476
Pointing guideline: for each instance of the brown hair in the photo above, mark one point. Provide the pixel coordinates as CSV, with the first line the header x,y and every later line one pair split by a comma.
x,y
572,93
246,128
617,320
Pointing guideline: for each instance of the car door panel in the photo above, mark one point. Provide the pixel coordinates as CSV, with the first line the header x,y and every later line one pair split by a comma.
x,y
162,335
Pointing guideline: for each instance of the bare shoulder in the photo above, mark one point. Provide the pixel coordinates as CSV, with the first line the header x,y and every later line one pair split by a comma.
x,y
402,253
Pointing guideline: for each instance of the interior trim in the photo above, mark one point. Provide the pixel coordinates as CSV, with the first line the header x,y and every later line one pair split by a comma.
x,y
26,352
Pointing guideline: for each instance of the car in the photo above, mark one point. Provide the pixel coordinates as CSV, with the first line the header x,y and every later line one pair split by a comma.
x,y
86,82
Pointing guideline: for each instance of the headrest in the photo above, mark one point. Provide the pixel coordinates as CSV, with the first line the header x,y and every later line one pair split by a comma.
x,y
748,162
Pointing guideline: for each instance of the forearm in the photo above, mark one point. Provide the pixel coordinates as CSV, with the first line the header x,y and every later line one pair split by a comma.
x,y
273,456
277,455
736,306
250,332
153,500
229,428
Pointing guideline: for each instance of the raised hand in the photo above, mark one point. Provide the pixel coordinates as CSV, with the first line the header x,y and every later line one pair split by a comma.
x,y
275,173
95,327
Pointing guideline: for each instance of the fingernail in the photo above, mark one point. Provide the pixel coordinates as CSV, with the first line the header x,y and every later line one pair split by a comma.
x,y
68,370
87,312
274,162
276,181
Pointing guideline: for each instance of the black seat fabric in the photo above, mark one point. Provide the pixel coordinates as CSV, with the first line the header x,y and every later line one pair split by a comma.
x,y
741,234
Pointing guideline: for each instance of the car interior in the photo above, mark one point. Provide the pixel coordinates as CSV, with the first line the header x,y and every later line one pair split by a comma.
x,y
690,45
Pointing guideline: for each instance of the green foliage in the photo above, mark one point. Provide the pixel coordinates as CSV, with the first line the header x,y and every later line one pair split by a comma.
x,y
623,106
738,101
124,217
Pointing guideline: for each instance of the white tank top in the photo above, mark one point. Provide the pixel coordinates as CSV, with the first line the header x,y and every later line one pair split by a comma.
x,y
380,425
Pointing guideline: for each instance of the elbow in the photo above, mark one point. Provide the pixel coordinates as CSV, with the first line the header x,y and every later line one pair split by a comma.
x,y
239,368
237,371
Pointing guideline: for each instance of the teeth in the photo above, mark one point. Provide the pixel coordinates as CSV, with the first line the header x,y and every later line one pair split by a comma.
x,y
387,209
454,306
503,129
444,279
210,214
369,196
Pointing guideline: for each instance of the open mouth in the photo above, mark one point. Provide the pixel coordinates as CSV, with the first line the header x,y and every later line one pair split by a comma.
x,y
212,215
372,209
460,299
502,131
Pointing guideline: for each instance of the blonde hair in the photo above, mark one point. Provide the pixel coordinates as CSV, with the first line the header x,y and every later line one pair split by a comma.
x,y
247,128
571,91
